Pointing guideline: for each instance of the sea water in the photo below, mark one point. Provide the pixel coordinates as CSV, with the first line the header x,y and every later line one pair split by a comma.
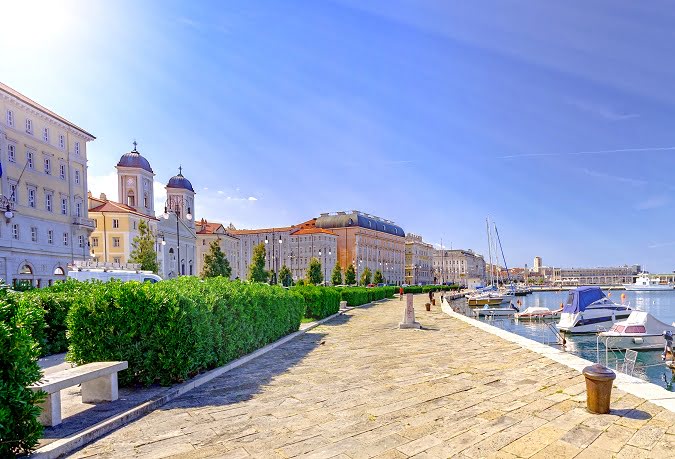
x,y
649,365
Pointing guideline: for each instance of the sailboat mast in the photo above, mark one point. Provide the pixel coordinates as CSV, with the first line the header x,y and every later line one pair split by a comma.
x,y
508,276
487,227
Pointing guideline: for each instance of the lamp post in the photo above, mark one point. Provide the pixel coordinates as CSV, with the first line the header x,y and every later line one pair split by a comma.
x,y
274,257
324,263
174,206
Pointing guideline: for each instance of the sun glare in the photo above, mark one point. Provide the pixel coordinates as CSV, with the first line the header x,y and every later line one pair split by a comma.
x,y
49,21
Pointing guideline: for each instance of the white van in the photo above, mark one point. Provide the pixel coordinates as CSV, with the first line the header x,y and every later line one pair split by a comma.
x,y
105,275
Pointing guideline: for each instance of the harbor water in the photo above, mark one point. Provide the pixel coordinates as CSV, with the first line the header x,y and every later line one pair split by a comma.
x,y
648,366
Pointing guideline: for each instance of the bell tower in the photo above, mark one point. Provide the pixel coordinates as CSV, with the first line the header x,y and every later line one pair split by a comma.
x,y
134,182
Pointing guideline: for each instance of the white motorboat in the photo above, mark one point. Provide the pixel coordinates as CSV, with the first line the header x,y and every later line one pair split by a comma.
x,y
487,311
538,313
644,283
587,309
640,331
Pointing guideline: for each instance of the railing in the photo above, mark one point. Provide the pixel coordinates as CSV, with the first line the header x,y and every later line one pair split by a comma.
x,y
82,221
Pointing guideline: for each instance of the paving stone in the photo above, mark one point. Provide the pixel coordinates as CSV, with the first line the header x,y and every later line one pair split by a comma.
x,y
373,390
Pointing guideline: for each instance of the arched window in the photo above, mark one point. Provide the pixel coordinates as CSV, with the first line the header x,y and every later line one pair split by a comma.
x,y
131,202
59,271
26,269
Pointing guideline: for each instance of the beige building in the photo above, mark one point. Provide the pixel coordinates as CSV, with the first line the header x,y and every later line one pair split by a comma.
x,y
418,260
43,182
365,240
537,265
207,232
457,266
116,227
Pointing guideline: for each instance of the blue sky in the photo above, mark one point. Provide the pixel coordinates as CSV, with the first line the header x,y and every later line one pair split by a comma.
x,y
553,118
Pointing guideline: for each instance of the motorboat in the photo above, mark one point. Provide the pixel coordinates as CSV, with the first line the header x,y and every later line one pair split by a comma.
x,y
644,283
640,331
587,309
538,313
486,298
487,311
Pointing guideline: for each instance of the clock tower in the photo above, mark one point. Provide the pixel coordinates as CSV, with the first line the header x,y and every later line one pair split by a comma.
x,y
134,182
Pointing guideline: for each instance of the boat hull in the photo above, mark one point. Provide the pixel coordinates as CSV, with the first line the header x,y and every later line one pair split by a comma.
x,y
496,312
590,324
647,288
485,301
633,341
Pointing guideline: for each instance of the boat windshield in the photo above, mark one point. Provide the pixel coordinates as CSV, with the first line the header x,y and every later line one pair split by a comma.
x,y
635,329
617,328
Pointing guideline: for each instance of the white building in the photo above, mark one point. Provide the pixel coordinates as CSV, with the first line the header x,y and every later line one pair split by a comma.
x,y
207,232
457,266
44,224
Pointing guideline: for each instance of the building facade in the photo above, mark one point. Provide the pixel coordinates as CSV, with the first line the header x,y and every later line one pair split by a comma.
x,y
43,181
418,260
116,226
207,232
537,265
367,241
293,246
457,266
615,275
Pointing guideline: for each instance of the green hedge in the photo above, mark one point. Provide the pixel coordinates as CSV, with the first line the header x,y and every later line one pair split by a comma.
x,y
320,302
19,427
171,330
356,296
429,288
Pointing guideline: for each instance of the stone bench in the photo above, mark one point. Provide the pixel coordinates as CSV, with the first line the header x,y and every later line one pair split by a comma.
x,y
99,384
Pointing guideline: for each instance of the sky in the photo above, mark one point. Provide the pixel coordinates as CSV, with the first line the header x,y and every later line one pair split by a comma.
x,y
554,119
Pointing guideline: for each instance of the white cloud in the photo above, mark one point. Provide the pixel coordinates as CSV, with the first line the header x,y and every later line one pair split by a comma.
x,y
103,184
252,198
652,202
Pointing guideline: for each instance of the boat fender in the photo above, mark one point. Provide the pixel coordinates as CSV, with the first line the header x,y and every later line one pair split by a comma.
x,y
638,340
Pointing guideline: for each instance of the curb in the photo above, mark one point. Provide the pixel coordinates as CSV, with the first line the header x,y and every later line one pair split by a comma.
x,y
69,444
630,384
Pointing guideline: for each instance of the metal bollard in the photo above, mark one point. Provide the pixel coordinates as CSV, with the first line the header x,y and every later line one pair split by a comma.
x,y
599,381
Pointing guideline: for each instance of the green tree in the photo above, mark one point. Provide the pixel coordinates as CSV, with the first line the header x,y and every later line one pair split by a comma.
x,y
314,274
378,277
215,263
285,276
350,275
143,248
256,270
365,276
336,277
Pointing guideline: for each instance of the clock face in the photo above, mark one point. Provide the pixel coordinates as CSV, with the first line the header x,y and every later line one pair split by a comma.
x,y
130,181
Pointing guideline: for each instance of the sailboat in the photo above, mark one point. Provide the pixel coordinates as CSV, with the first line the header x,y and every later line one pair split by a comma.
x,y
489,295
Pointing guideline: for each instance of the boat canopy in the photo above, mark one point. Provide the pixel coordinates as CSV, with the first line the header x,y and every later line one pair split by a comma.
x,y
581,297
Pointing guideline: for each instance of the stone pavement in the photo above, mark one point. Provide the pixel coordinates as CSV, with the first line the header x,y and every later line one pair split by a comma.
x,y
358,387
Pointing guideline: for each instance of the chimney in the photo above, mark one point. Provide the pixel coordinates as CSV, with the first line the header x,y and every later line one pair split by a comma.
x,y
102,197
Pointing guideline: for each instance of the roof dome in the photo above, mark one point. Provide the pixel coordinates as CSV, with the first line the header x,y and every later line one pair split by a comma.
x,y
178,181
134,159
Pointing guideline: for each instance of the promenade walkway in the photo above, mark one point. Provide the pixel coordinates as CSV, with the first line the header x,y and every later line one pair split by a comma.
x,y
358,387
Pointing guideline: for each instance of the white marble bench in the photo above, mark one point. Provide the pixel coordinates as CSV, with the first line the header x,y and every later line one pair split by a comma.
x,y
99,384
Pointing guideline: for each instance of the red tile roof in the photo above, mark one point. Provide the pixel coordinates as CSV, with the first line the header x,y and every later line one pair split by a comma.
x,y
116,207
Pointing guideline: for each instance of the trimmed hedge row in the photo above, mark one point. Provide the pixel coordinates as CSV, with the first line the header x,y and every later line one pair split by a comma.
x,y
320,302
171,330
19,427
356,296
429,288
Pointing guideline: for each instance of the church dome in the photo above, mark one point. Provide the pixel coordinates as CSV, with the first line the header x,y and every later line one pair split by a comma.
x,y
178,181
134,159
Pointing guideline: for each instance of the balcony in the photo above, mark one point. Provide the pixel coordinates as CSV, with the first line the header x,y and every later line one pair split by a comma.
x,y
84,222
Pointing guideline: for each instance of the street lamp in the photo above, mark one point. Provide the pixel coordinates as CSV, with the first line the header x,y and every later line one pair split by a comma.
x,y
174,206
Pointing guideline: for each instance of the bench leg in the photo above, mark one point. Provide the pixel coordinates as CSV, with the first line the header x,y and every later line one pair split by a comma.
x,y
51,410
103,389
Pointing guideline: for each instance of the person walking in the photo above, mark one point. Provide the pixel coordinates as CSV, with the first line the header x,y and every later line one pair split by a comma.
x,y
400,293
431,295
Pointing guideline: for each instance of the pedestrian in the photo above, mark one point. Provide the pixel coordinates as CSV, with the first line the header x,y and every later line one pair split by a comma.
x,y
431,295
400,293
442,295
